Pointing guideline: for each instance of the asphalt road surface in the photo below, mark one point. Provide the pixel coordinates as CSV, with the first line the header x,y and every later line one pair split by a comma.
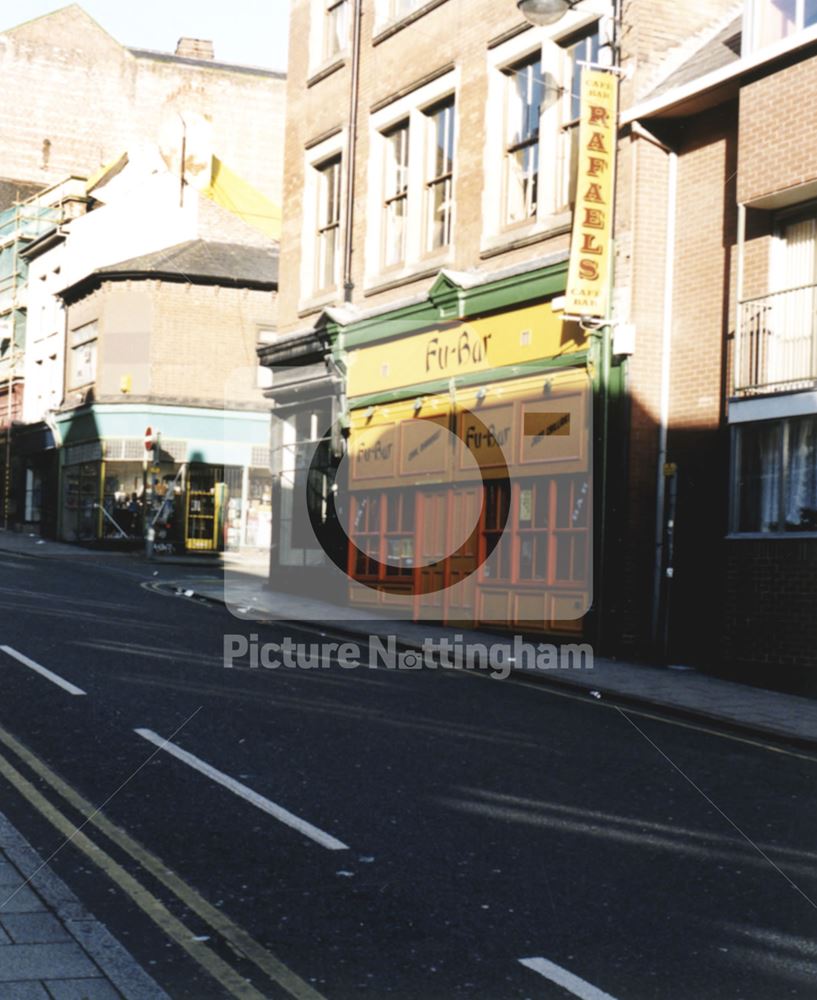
x,y
370,833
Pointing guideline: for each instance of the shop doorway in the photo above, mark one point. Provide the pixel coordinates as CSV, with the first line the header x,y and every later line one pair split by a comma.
x,y
203,510
448,579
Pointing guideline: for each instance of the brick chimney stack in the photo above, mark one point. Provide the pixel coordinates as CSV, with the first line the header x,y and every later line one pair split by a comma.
x,y
195,48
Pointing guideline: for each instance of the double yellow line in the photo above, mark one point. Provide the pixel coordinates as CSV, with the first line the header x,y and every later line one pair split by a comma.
x,y
237,938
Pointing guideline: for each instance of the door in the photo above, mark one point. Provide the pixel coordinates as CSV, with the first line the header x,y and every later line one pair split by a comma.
x,y
202,514
448,579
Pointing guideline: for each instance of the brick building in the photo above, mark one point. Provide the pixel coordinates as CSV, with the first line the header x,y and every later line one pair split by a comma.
x,y
429,192
74,98
418,203
200,144
145,312
720,277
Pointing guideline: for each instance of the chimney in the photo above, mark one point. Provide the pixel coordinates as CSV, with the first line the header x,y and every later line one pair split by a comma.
x,y
195,48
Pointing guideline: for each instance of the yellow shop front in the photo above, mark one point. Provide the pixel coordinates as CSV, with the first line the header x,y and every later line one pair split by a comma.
x,y
469,473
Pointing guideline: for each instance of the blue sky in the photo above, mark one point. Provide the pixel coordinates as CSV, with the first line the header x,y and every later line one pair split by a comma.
x,y
243,31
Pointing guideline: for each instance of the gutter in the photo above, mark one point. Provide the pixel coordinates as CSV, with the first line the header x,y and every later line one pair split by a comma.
x,y
666,362
71,293
673,100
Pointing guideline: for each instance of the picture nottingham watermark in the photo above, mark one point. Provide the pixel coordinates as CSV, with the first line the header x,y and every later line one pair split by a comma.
x,y
497,659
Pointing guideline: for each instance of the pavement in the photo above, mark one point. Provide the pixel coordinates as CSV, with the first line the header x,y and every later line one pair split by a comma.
x,y
239,581
51,948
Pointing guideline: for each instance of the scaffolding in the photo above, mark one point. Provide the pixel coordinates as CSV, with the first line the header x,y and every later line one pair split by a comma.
x,y
21,224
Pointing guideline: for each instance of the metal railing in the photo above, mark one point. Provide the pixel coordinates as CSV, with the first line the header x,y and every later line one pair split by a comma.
x,y
776,344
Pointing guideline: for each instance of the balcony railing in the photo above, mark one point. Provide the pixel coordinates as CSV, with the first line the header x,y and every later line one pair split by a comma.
x,y
777,342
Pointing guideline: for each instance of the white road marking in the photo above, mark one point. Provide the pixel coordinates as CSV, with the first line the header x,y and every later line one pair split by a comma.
x,y
54,678
265,805
556,974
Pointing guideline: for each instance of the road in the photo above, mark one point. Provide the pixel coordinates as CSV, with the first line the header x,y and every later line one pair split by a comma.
x,y
349,833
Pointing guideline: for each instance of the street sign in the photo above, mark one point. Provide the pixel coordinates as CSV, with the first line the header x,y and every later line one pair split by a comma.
x,y
150,439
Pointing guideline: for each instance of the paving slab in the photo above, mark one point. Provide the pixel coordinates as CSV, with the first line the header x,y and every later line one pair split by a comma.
x,y
33,928
44,961
82,989
24,991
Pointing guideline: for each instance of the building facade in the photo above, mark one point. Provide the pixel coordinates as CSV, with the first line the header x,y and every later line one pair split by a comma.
x,y
425,237
435,201
721,232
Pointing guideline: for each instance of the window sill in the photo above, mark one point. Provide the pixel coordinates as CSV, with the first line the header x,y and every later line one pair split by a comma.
x,y
429,267
553,225
326,69
771,536
389,28
317,303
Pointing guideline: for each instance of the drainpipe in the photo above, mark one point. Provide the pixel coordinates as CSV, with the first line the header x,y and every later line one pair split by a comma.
x,y
666,358
348,286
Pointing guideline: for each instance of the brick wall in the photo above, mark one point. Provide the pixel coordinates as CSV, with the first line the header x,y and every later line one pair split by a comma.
x,y
703,309
769,625
73,98
455,33
777,131
195,344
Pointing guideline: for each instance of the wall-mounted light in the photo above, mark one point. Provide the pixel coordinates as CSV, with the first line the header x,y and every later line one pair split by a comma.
x,y
544,11
547,388
369,413
482,392
418,404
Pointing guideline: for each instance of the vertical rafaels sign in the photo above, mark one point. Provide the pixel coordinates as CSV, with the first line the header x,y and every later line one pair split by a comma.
x,y
590,252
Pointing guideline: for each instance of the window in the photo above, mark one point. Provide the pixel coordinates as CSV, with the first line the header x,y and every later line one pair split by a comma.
x,y
773,20
523,110
411,181
388,554
335,27
777,341
401,8
395,190
83,343
532,116
439,191
327,236
497,508
776,476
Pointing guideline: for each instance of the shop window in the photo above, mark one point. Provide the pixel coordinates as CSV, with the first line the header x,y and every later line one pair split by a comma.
x,y
34,495
399,554
81,489
775,476
82,363
552,530
497,508
570,529
383,533
533,542
366,534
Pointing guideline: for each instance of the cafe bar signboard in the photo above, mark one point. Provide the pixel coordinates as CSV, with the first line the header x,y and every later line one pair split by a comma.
x,y
588,279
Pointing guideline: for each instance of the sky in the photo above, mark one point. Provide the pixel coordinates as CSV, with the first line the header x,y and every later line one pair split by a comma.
x,y
253,32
